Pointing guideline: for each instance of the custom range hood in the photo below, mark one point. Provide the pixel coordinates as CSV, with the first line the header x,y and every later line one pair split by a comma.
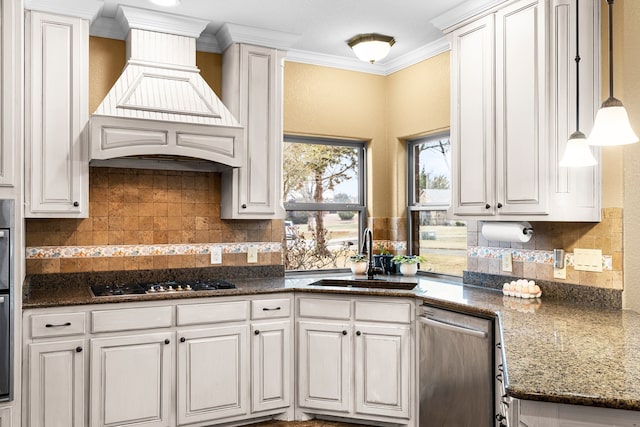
x,y
161,113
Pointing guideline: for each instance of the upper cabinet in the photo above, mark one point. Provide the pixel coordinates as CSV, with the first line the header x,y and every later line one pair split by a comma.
x,y
252,90
513,111
56,93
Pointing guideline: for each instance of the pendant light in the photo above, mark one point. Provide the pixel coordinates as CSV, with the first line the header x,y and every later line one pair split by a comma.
x,y
577,152
612,125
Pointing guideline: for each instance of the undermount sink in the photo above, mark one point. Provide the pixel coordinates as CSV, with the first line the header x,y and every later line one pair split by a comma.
x,y
366,283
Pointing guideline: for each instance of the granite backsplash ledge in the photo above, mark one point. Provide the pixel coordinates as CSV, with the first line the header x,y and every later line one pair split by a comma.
x,y
567,292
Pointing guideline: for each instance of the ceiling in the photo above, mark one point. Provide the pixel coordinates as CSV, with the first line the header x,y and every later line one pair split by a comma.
x,y
317,28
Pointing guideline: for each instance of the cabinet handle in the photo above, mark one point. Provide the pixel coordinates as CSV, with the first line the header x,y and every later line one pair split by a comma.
x,y
78,349
244,206
257,332
500,368
183,339
358,333
499,205
499,345
487,206
270,309
499,377
344,332
504,400
167,341
61,325
76,204
500,418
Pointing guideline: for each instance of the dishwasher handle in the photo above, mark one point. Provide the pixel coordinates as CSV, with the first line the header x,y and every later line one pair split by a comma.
x,y
453,328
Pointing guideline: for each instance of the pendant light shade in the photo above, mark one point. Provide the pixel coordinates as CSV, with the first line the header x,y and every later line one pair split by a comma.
x,y
371,47
577,152
612,125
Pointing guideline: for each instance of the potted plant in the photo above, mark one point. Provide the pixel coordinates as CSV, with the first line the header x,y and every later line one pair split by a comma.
x,y
358,263
408,263
384,260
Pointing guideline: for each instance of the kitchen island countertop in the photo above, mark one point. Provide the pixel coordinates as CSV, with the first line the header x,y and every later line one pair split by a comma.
x,y
554,351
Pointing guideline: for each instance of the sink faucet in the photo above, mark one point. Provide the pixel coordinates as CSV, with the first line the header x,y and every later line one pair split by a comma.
x,y
367,247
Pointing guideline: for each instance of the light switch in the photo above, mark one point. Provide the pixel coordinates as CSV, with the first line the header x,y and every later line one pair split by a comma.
x,y
216,254
587,259
252,254
507,264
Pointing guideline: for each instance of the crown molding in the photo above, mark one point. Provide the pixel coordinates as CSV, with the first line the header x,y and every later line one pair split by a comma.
x,y
108,28
462,12
234,33
88,9
418,55
151,20
208,43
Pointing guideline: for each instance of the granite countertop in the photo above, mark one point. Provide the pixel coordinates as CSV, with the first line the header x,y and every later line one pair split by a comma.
x,y
553,350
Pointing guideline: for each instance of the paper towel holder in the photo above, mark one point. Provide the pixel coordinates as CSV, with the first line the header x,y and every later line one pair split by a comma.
x,y
528,230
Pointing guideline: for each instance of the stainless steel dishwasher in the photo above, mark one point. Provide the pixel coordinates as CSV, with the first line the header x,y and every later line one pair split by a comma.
x,y
456,369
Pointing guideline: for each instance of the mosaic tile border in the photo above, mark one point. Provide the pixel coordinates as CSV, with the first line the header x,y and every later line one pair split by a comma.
x,y
46,252
529,255
390,245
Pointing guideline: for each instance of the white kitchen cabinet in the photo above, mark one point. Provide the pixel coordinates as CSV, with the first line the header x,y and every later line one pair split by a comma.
x,y
212,373
252,90
271,365
546,414
131,380
512,111
56,389
382,368
324,366
5,417
355,358
56,96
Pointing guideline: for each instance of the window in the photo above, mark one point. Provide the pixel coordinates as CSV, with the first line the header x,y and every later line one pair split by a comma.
x,y
440,239
324,192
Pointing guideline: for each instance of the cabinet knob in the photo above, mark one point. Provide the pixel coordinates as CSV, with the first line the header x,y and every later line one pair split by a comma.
x,y
183,339
344,332
358,333
76,204
257,332
487,206
499,205
167,341
78,349
244,206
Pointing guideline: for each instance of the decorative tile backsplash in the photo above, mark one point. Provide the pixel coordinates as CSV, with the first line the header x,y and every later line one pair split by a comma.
x,y
531,256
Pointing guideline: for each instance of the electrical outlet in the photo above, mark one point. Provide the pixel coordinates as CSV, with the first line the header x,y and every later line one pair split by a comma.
x,y
587,259
560,273
216,254
252,254
507,264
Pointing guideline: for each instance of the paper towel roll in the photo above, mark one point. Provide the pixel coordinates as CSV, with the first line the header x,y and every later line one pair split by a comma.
x,y
507,231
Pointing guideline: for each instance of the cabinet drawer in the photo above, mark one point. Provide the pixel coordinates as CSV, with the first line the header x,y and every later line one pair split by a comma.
x,y
384,311
131,319
57,325
325,308
230,311
270,308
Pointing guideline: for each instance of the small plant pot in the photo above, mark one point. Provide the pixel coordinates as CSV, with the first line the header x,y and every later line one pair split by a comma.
x,y
359,267
408,269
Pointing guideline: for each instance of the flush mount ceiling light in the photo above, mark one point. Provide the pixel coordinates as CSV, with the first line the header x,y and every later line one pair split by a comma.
x,y
612,125
371,47
165,3
577,152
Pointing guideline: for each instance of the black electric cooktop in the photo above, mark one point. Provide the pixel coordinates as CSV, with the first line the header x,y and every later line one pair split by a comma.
x,y
170,286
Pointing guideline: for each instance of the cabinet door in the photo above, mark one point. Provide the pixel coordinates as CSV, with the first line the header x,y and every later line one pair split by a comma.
x,y
472,132
5,417
521,139
270,365
56,162
212,373
56,387
131,380
324,371
382,370
253,191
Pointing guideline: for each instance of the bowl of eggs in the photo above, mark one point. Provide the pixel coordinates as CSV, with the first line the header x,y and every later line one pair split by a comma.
x,y
522,288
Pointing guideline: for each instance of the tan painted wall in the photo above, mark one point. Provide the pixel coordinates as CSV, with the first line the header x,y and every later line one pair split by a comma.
x,y
323,101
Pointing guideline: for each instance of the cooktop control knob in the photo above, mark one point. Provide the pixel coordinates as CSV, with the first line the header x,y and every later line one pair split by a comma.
x,y
188,288
170,289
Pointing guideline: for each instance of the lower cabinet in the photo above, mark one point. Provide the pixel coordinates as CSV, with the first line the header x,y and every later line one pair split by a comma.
x,y
212,370
131,380
5,417
56,389
271,365
355,359
546,414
